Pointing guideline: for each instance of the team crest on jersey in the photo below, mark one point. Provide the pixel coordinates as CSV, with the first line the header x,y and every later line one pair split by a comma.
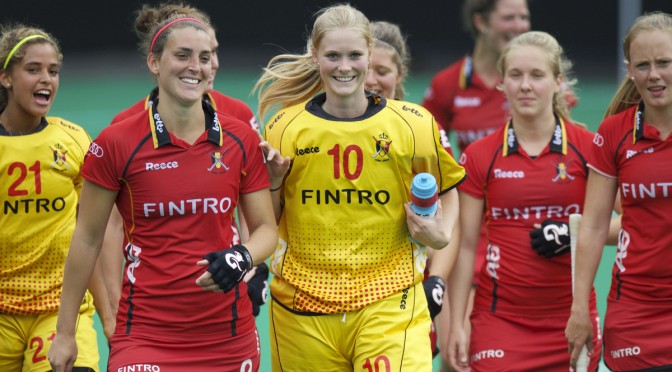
x,y
60,157
218,165
383,143
561,174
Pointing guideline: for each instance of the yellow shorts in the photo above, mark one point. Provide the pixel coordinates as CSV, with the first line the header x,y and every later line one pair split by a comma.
x,y
25,340
389,335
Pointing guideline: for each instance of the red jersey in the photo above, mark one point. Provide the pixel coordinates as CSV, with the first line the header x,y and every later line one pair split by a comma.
x,y
520,191
461,102
631,150
177,203
221,102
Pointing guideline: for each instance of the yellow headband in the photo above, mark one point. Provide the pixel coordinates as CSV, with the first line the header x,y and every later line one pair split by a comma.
x,y
18,45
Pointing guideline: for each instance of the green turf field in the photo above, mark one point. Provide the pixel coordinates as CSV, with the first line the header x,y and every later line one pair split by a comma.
x,y
92,101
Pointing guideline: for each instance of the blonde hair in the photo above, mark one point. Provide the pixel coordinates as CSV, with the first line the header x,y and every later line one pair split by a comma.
x,y
289,79
388,35
559,64
11,36
627,94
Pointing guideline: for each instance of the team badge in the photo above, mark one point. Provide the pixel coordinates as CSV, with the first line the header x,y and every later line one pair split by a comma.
x,y
60,158
218,165
382,148
561,174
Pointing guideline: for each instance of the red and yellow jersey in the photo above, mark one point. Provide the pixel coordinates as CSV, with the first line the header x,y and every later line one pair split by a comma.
x,y
177,201
631,150
520,191
40,184
462,103
343,242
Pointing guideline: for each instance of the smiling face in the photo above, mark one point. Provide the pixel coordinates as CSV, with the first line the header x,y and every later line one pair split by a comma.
x,y
343,56
650,66
507,20
383,75
184,68
33,81
529,83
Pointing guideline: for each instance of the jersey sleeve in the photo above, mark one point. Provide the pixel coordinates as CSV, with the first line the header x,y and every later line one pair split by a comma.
x,y
474,185
101,165
605,143
255,174
431,157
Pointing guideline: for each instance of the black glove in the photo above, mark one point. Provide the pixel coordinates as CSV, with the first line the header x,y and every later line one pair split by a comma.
x,y
257,287
552,239
434,288
228,267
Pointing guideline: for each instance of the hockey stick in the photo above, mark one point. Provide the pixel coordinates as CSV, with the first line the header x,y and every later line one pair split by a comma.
x,y
574,223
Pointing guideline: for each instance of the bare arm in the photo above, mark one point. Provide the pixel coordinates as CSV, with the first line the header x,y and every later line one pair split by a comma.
x,y
615,224
597,210
258,210
459,286
94,211
111,263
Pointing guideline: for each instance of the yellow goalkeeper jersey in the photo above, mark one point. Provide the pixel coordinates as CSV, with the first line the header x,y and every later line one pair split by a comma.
x,y
343,240
40,187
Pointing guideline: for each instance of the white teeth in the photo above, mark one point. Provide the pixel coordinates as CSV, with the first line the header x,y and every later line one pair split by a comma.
x,y
190,81
44,92
344,78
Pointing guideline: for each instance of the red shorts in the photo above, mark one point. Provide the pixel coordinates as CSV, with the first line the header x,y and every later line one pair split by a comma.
x,y
139,353
530,344
637,336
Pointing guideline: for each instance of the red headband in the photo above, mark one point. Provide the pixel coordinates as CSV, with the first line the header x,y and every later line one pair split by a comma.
x,y
158,33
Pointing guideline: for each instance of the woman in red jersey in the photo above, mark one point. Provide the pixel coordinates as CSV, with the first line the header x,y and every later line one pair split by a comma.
x,y
526,178
181,306
632,153
111,260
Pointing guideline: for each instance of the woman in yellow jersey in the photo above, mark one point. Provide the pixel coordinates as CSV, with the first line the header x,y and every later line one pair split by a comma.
x,y
347,289
41,181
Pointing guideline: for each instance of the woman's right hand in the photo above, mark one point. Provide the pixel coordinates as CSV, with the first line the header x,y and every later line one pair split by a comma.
x,y
458,349
63,353
579,332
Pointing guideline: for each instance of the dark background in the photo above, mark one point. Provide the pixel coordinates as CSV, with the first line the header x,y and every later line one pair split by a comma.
x,y
98,34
